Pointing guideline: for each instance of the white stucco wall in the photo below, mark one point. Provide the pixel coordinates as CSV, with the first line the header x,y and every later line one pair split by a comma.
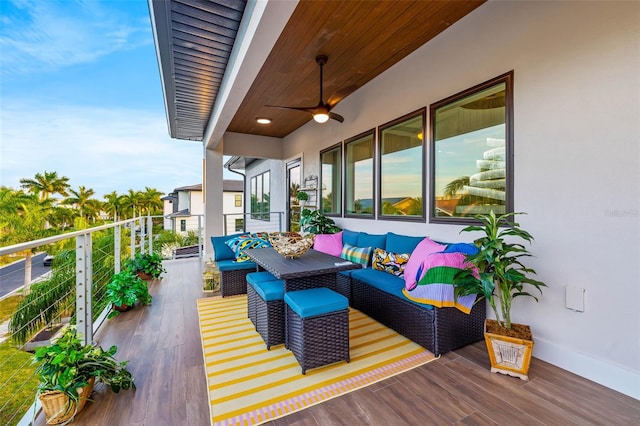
x,y
577,161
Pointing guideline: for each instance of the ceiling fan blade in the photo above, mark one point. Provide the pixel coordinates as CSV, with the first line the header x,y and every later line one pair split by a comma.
x,y
306,109
336,117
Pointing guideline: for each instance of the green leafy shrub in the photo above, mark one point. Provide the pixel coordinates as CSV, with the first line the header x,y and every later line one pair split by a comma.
x,y
67,365
150,264
316,223
125,289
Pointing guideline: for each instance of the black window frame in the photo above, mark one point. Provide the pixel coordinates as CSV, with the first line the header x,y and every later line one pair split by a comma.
x,y
341,183
507,80
372,133
260,214
420,112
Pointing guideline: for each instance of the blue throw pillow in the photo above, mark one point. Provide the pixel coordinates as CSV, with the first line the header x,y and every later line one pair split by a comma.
x,y
220,249
464,248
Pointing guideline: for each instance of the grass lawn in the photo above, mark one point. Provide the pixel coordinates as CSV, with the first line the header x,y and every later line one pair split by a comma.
x,y
8,307
18,383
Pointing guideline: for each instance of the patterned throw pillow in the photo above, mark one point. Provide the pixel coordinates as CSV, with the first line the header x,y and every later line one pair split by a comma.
x,y
359,255
244,242
392,263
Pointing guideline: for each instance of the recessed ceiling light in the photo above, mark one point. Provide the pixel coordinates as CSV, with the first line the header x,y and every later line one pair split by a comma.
x,y
263,120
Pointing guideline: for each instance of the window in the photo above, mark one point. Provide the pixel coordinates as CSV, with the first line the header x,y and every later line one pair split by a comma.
x,y
331,181
183,225
239,225
260,196
471,152
401,160
238,200
359,175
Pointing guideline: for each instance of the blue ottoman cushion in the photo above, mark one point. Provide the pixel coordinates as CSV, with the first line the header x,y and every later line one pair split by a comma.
x,y
270,290
315,301
260,277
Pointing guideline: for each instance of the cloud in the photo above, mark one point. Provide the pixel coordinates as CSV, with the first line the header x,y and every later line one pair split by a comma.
x,y
49,35
103,149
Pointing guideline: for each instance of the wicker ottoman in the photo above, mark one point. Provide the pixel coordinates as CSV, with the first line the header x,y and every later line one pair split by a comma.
x,y
317,327
252,279
269,306
233,277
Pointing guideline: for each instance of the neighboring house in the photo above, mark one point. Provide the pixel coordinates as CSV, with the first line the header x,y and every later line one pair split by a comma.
x,y
548,93
184,208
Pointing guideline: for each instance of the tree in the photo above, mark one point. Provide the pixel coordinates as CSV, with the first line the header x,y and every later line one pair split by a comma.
x,y
150,201
47,184
130,202
112,204
27,223
80,198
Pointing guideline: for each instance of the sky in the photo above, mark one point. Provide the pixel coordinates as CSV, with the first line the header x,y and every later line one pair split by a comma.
x,y
80,95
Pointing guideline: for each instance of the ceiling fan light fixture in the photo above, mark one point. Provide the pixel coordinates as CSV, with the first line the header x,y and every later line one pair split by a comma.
x,y
263,120
321,117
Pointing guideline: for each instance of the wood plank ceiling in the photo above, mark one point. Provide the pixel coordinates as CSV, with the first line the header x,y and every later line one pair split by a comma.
x,y
361,39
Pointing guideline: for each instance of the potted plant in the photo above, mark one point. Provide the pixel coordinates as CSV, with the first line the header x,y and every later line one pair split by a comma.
x,y
302,196
146,266
314,222
501,277
124,290
68,371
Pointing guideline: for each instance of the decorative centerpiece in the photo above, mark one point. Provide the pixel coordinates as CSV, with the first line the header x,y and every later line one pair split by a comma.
x,y
291,244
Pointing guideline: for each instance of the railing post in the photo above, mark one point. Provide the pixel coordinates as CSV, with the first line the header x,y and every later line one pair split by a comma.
x,y
132,227
84,281
280,214
150,233
224,224
143,233
199,237
116,248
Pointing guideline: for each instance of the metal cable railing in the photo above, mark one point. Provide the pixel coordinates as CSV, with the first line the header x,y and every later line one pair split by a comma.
x,y
84,264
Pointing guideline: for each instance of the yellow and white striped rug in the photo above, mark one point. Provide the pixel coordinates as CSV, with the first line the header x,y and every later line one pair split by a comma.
x,y
249,385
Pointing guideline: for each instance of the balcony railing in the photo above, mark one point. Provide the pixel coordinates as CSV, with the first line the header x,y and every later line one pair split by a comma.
x,y
74,292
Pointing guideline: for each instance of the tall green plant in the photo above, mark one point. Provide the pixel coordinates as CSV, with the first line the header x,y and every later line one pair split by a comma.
x,y
316,223
502,276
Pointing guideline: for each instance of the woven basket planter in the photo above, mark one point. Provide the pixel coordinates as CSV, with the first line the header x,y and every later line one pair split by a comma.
x,y
509,355
58,408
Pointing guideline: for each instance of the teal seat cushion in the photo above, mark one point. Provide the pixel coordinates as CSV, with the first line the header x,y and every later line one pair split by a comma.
x,y
220,250
315,301
386,282
232,265
260,277
270,290
401,243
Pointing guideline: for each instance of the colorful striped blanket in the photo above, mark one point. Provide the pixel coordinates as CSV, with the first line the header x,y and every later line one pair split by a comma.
x,y
434,282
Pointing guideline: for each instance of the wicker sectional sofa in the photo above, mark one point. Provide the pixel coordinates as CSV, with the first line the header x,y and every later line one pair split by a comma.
x,y
379,295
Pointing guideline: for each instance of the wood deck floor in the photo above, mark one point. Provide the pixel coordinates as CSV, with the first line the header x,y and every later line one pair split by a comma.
x,y
162,343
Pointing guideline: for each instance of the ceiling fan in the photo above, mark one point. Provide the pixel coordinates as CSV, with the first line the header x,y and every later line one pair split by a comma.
x,y
321,112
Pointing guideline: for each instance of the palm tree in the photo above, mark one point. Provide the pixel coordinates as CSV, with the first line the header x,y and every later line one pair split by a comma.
x,y
112,204
130,202
80,198
27,222
150,201
456,186
47,184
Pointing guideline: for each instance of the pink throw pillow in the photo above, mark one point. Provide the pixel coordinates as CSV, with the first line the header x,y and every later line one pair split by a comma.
x,y
329,243
419,254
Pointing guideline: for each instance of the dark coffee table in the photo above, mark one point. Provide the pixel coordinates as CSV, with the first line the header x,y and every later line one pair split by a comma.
x,y
312,269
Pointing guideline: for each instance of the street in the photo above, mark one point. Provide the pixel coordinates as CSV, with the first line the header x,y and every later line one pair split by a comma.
x,y
12,276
